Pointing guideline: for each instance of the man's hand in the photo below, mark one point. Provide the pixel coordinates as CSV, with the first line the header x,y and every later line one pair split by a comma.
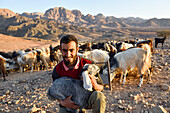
x,y
95,85
93,79
68,103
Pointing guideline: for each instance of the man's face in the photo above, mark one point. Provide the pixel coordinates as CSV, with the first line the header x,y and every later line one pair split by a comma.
x,y
69,52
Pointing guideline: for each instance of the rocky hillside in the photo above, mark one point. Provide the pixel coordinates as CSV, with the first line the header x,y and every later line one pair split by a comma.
x,y
157,23
21,26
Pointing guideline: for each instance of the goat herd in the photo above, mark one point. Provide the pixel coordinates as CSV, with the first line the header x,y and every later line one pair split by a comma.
x,y
124,57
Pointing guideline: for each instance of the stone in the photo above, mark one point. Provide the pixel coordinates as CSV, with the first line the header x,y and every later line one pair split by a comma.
x,y
22,81
35,87
157,109
26,87
130,107
136,97
121,107
165,64
16,82
7,92
165,87
9,102
16,101
13,85
120,101
34,109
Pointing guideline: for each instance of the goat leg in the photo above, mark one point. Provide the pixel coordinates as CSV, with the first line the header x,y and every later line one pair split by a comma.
x,y
141,80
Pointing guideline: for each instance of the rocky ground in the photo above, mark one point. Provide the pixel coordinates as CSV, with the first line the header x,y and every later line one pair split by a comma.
x,y
26,92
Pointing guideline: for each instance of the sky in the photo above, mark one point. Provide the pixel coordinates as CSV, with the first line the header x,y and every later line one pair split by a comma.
x,y
145,9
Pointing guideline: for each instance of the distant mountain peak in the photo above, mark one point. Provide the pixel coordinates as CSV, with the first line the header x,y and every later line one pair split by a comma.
x,y
7,12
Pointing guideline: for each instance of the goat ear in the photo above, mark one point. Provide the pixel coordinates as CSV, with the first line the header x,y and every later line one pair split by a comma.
x,y
98,69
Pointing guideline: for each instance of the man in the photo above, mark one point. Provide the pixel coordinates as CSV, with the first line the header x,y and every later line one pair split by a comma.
x,y
71,66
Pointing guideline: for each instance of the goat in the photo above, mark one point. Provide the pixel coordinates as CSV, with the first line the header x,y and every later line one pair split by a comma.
x,y
149,42
124,46
6,55
85,47
63,87
8,60
54,55
44,55
111,49
128,60
159,40
3,68
99,45
97,56
29,58
107,47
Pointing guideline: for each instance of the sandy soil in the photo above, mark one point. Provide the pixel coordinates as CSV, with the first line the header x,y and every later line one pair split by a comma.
x,y
9,43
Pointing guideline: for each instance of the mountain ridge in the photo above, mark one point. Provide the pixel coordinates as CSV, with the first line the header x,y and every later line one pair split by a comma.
x,y
58,21
75,17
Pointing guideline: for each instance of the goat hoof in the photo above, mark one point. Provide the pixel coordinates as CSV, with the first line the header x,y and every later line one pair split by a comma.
x,y
139,86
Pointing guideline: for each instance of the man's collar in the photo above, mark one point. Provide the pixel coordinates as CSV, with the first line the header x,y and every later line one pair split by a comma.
x,y
75,67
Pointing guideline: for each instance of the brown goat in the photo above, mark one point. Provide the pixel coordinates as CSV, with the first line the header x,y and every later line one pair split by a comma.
x,y
149,42
3,68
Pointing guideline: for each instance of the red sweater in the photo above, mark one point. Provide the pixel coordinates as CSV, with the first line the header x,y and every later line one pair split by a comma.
x,y
59,70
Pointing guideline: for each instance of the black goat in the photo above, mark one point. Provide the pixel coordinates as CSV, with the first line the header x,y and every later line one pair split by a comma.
x,y
159,40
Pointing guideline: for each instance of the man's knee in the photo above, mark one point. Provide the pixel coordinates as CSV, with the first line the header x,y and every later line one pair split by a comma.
x,y
98,95
97,102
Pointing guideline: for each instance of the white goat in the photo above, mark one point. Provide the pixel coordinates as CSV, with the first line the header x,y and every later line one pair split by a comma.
x,y
125,46
28,58
44,54
97,56
128,60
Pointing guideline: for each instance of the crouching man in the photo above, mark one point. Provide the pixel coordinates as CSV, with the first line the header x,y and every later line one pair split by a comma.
x,y
71,66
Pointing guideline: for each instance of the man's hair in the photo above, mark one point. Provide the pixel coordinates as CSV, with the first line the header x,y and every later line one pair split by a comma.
x,y
68,38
